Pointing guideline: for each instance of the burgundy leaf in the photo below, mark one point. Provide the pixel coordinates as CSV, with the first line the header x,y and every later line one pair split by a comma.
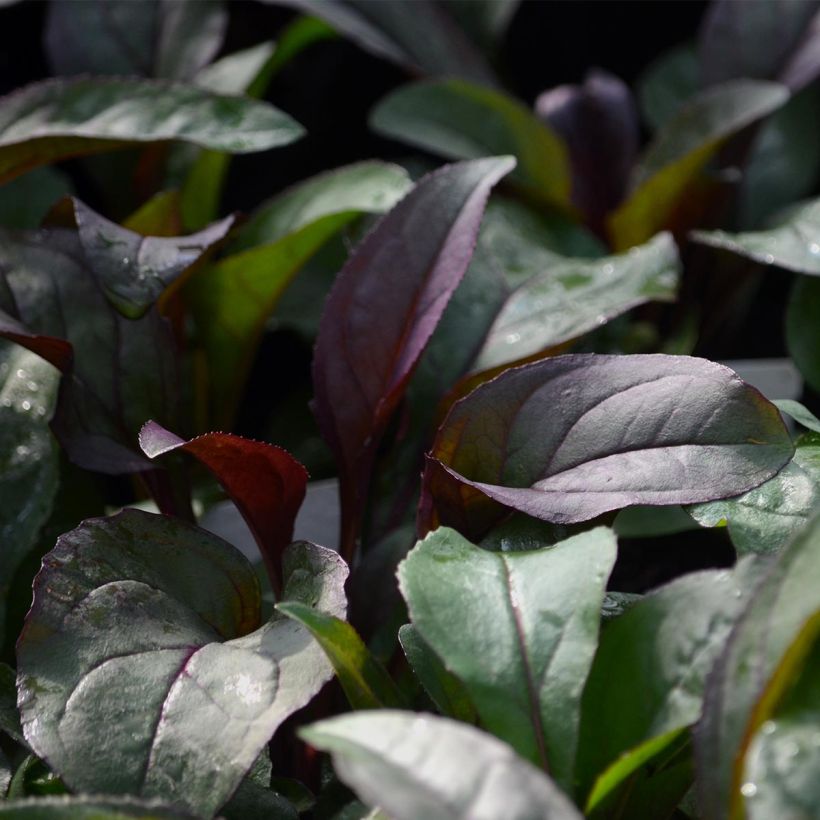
x,y
266,483
382,310
569,438
599,124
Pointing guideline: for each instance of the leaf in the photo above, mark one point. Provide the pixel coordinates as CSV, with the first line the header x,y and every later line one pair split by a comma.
x,y
9,716
445,690
364,680
29,473
732,38
416,34
169,38
417,765
667,83
676,157
27,199
56,119
573,296
648,677
794,245
266,483
158,216
233,298
151,627
484,20
765,519
518,629
802,415
89,808
763,657
575,436
598,122
458,120
803,329
379,318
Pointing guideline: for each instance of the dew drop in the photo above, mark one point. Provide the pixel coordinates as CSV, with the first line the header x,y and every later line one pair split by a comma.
x,y
21,374
125,261
512,338
32,386
26,405
814,248
41,411
748,789
22,451
6,402
608,269
768,727
769,259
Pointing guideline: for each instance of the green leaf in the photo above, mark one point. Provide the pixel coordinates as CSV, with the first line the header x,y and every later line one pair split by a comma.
x,y
765,519
666,84
676,157
9,716
364,680
518,629
763,657
573,296
415,766
233,298
29,473
26,200
458,120
648,676
151,627
793,245
89,808
56,119
803,328
802,415
445,690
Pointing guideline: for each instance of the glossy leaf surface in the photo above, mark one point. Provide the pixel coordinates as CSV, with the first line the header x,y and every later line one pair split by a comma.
x,y
458,120
416,766
764,655
364,680
152,627
379,318
573,296
518,629
765,519
266,483
793,245
648,677
56,119
681,149
89,808
233,298
575,436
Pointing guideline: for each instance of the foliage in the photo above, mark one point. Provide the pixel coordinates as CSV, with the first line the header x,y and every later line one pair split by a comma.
x,y
503,379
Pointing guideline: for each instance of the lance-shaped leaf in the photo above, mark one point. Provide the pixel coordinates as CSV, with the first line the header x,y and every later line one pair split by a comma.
x,y
793,245
364,680
765,519
151,627
118,372
232,299
764,656
169,38
568,438
598,122
28,457
416,34
648,676
266,483
518,629
681,149
803,329
56,119
458,120
90,808
384,307
419,765
573,296
800,413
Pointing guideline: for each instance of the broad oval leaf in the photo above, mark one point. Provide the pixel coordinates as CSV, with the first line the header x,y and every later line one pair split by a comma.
x,y
803,328
763,657
380,316
573,296
681,149
793,245
56,119
649,673
568,438
418,765
90,808
458,120
265,482
151,627
765,519
518,629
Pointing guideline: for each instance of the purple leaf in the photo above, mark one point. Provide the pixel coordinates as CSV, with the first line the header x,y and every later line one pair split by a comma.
x,y
599,124
569,438
382,310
